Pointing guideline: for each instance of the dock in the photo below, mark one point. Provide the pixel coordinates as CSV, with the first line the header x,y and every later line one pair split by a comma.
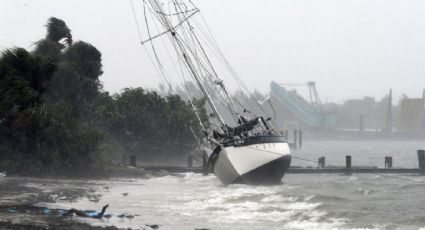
x,y
299,170
320,169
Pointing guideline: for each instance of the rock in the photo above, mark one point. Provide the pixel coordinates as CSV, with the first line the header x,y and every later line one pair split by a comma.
x,y
150,226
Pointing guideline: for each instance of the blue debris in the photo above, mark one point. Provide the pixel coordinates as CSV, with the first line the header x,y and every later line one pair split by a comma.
x,y
91,213
46,210
62,211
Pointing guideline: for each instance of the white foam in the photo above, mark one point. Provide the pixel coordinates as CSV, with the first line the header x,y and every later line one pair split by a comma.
x,y
174,200
278,198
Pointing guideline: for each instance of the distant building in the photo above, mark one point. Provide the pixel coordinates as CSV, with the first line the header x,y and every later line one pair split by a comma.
x,y
412,113
295,112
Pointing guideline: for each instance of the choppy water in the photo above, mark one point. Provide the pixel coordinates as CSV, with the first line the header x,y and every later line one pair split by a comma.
x,y
327,201
190,201
364,153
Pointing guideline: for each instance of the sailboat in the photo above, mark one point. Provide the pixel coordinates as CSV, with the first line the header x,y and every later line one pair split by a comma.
x,y
249,151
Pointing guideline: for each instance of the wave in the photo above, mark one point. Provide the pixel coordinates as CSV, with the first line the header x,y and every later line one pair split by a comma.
x,y
328,198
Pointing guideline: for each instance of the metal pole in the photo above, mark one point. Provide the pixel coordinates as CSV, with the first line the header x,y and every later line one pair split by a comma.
x,y
421,159
300,138
190,161
348,162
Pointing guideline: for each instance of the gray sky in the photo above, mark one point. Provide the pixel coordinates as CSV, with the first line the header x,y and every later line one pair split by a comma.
x,y
351,48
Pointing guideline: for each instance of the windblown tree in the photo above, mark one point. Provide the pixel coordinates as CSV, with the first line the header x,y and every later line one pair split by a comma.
x,y
57,38
23,81
156,128
56,119
44,96
76,81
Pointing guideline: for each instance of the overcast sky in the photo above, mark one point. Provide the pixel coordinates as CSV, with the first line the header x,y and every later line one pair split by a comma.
x,y
351,48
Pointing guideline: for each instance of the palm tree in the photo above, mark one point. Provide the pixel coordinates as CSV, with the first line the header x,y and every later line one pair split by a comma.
x,y
23,80
58,30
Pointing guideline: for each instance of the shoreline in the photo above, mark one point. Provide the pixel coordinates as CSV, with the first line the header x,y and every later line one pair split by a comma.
x,y
19,197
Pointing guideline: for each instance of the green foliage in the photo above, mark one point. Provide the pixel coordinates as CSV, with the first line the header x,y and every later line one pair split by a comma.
x,y
58,30
76,81
23,80
153,127
42,129
55,118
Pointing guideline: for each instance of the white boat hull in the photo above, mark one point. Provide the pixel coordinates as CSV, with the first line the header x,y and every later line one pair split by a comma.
x,y
260,163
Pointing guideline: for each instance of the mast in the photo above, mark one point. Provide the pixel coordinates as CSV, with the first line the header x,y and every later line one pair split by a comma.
x,y
183,52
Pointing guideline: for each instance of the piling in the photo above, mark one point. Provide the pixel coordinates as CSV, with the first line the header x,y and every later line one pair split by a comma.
x,y
348,169
348,162
361,123
295,139
300,138
205,164
321,162
421,159
286,134
133,160
190,161
388,162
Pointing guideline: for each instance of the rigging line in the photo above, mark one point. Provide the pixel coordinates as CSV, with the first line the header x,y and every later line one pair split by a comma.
x,y
169,30
146,50
234,73
216,97
177,13
190,99
203,79
313,161
240,88
188,35
215,73
147,26
135,20
200,64
207,41
189,50
193,5
185,88
191,67
153,49
206,85
196,137
189,47
292,156
166,48
209,44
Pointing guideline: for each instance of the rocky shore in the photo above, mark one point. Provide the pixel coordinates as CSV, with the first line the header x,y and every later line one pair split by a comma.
x,y
20,199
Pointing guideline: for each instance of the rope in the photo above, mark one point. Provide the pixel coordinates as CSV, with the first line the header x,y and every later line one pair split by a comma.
x,y
232,71
161,68
190,46
295,157
141,39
